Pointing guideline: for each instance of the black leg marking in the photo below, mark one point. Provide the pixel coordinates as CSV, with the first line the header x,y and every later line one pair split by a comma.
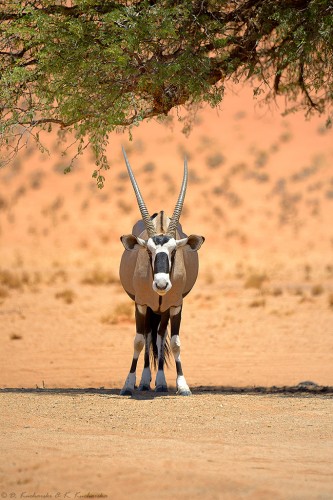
x,y
142,321
175,323
146,374
179,368
133,365
161,385
146,364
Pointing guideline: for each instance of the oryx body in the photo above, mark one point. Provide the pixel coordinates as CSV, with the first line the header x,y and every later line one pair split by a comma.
x,y
158,269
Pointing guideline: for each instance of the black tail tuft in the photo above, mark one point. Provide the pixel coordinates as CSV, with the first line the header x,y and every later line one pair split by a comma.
x,y
154,322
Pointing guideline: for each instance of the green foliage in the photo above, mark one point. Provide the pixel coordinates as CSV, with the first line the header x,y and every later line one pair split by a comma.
x,y
90,67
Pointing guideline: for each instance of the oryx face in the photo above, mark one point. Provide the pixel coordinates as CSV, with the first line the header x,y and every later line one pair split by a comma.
x,y
161,249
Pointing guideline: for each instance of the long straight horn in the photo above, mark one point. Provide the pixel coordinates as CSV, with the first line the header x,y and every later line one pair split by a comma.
x,y
142,206
179,205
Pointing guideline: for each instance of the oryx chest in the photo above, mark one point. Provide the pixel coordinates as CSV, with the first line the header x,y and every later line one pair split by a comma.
x,y
143,278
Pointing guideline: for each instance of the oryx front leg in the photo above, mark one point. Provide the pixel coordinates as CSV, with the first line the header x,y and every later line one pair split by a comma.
x,y
146,373
139,342
175,319
161,385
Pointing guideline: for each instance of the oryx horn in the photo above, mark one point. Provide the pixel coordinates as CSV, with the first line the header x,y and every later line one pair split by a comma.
x,y
142,206
179,205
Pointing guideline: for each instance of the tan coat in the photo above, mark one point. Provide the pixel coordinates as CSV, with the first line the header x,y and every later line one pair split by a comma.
x,y
136,274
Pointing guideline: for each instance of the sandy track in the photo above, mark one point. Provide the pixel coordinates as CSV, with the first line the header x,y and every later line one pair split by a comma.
x,y
206,446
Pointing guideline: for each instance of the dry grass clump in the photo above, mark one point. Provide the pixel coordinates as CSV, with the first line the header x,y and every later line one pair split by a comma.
x,y
329,270
317,290
276,291
15,336
10,279
3,292
122,313
16,280
209,278
98,276
261,159
255,280
215,160
258,302
58,276
298,291
307,272
67,296
125,207
3,203
148,167
330,300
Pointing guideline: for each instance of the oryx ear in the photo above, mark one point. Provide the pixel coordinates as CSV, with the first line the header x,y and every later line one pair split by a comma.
x,y
194,242
129,241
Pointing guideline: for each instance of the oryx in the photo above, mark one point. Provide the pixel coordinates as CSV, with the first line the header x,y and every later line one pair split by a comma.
x,y
158,269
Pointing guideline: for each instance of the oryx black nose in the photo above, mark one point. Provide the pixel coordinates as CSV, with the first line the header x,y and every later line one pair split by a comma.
x,y
161,287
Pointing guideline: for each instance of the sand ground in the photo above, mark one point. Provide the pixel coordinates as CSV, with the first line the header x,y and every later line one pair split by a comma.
x,y
259,317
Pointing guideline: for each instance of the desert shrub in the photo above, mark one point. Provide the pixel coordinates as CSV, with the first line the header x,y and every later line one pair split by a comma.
x,y
10,279
15,336
98,276
215,161
3,292
16,279
36,179
67,296
125,207
307,272
258,177
286,136
58,276
298,291
193,177
123,312
259,302
210,278
276,291
123,175
329,270
330,300
317,290
255,281
261,159
149,167
3,203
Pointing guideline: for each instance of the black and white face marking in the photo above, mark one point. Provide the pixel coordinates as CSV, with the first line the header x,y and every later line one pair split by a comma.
x,y
161,249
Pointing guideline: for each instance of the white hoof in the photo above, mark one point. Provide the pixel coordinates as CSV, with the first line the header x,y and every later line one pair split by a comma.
x,y
145,380
129,385
182,387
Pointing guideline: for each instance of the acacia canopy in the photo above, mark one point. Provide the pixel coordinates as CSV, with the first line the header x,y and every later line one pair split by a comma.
x,y
92,66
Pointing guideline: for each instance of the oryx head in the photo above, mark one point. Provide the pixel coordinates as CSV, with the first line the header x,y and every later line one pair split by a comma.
x,y
161,248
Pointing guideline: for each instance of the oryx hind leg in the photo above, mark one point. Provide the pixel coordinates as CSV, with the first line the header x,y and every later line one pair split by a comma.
x,y
139,343
175,319
160,382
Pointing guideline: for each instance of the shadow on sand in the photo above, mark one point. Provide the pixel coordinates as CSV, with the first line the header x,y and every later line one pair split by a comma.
x,y
302,389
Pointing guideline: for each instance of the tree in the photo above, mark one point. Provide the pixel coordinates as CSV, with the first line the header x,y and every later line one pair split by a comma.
x,y
92,66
